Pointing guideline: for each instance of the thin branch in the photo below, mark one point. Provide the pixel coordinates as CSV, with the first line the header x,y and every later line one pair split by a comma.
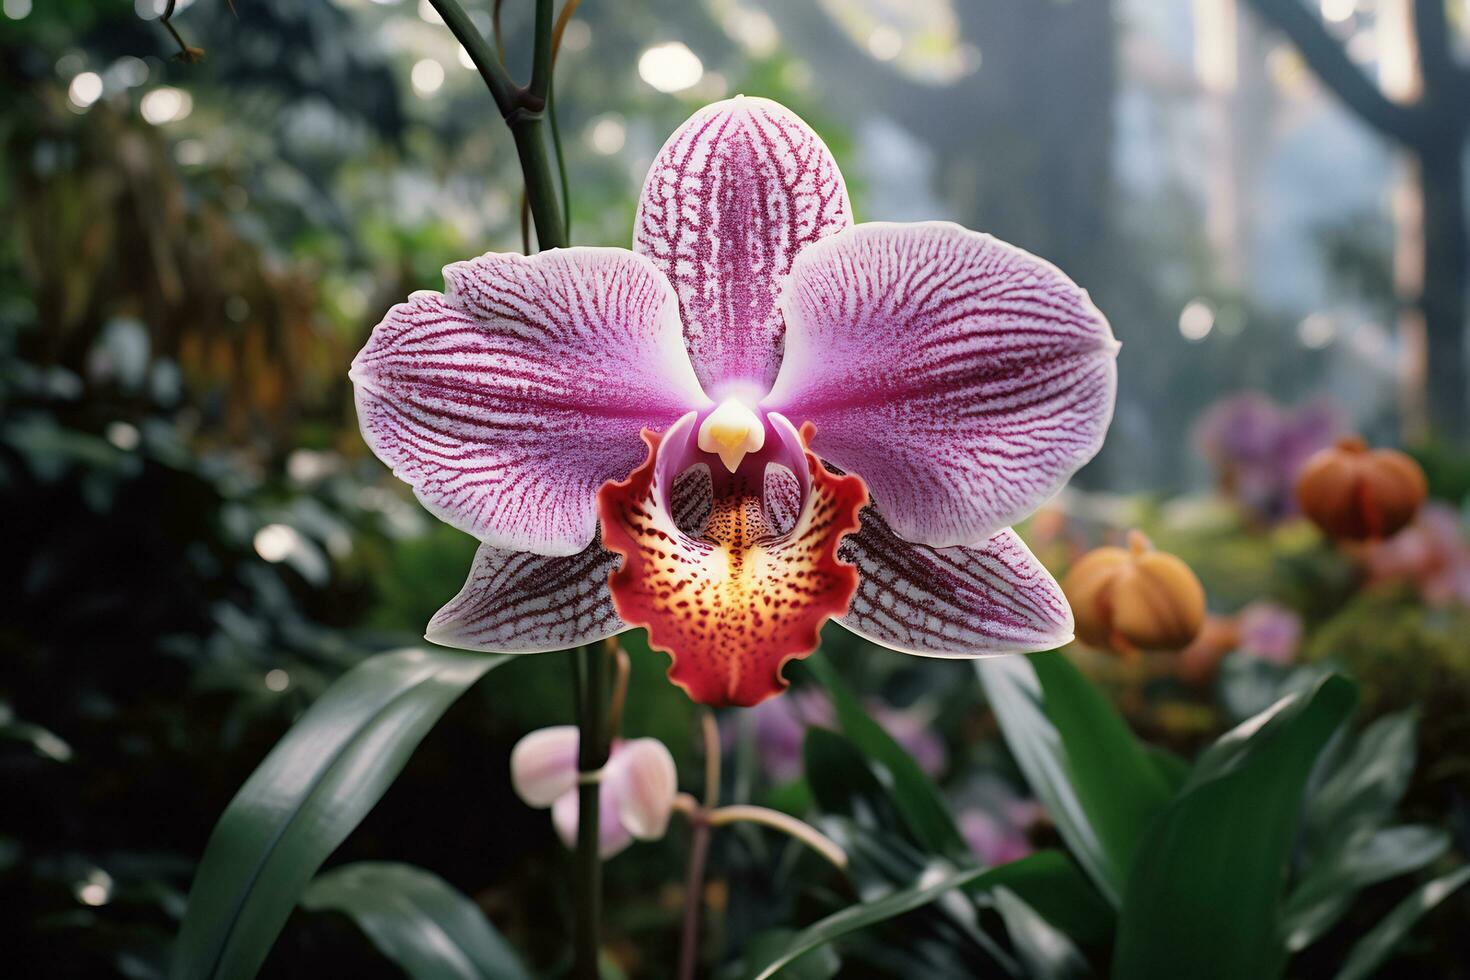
x,y
567,10
495,29
186,53
490,67
541,62
1327,59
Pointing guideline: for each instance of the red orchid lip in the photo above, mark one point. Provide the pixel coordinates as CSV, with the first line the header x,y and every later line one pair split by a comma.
x,y
734,604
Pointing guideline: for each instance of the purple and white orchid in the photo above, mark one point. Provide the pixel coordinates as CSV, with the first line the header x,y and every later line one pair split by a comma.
x,y
840,421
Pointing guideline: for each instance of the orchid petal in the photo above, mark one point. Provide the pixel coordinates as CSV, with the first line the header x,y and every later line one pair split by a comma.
x,y
642,783
963,379
612,836
952,602
517,602
734,604
543,765
507,401
730,200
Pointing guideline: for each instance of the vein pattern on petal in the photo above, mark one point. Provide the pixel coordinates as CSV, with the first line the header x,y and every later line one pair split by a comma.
x,y
733,196
507,401
963,379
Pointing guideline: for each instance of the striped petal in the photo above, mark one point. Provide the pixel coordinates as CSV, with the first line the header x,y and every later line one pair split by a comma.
x,y
733,604
952,602
517,602
508,400
963,379
730,200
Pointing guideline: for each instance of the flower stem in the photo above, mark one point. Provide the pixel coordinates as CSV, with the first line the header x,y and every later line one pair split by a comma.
x,y
592,752
785,823
699,846
522,109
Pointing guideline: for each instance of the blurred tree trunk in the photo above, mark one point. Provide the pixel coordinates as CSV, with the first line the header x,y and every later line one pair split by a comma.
x,y
1433,129
1039,179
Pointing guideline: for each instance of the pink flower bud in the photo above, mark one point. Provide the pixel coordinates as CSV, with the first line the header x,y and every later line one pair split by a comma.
x,y
635,793
543,765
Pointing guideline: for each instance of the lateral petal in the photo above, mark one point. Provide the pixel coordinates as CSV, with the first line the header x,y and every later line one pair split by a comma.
x,y
506,401
517,602
952,602
963,379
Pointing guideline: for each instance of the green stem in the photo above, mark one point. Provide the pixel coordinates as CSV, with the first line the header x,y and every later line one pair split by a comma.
x,y
502,89
592,752
521,108
540,184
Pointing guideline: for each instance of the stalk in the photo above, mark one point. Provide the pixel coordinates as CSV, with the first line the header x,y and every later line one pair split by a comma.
x,y
592,752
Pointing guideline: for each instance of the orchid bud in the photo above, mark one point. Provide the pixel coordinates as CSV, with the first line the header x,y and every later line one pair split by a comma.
x,y
643,785
636,788
1134,598
1357,494
543,765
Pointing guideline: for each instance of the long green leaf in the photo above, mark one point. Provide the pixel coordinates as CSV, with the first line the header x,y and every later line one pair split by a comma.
x,y
918,799
931,887
1047,952
1372,951
313,788
417,920
1098,783
1203,894
1363,859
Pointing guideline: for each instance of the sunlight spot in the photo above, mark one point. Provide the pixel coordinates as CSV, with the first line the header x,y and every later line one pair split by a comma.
x,y
670,67
123,436
165,104
752,29
277,680
428,14
577,36
275,542
1316,331
1196,320
885,43
85,89
427,76
1337,11
17,9
95,889
607,134
464,57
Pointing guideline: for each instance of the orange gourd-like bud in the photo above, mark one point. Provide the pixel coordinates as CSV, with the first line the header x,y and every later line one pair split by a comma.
x,y
1358,494
1134,598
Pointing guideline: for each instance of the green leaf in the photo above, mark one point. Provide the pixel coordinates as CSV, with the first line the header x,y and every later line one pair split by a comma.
x,y
821,963
1098,783
417,920
1047,953
1202,897
1366,784
313,788
1365,858
1372,951
918,799
934,884
1067,898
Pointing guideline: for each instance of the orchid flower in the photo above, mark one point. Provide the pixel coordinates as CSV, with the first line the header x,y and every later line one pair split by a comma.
x,y
838,420
636,789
